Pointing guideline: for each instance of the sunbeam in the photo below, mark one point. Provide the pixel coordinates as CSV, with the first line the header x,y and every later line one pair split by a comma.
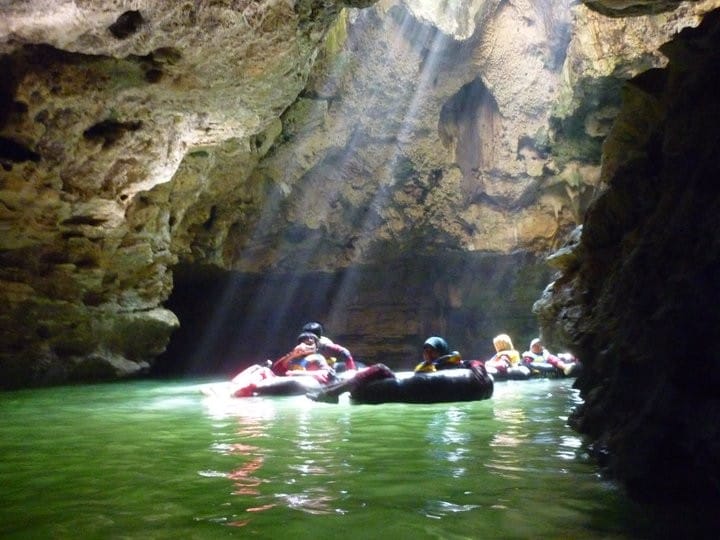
x,y
355,182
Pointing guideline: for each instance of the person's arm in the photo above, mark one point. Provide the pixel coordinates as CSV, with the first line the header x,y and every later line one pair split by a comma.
x,y
513,357
339,352
280,366
501,357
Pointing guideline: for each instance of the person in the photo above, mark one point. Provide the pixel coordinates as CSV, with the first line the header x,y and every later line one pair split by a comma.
x,y
303,359
337,355
539,356
317,329
436,356
506,359
305,356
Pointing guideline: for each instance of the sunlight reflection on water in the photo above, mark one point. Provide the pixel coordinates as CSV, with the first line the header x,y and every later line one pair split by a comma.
x,y
138,456
329,456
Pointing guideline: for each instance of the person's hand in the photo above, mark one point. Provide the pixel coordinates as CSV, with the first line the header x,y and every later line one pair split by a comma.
x,y
304,349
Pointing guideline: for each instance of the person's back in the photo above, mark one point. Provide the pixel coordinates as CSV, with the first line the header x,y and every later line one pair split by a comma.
x,y
506,359
505,351
536,352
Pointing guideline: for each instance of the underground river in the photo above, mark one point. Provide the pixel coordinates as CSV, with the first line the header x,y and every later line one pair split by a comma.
x,y
156,459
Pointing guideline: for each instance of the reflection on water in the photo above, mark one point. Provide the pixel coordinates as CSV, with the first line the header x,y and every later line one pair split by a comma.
x,y
252,420
425,461
448,441
158,460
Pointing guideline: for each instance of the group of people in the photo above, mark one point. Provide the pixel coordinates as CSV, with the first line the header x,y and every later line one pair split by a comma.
x,y
508,361
436,356
318,356
313,352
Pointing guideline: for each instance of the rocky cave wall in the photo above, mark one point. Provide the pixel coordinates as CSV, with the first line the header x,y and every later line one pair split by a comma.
x,y
418,137
398,157
284,138
237,319
638,294
100,102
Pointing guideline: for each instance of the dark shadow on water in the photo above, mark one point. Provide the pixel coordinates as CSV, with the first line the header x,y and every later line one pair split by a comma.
x,y
699,520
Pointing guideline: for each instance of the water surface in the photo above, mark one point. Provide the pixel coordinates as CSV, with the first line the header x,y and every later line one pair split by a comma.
x,y
159,460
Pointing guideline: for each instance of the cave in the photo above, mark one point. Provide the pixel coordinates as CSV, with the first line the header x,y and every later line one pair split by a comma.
x,y
231,320
387,169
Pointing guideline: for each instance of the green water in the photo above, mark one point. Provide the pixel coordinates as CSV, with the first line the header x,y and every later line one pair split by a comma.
x,y
158,460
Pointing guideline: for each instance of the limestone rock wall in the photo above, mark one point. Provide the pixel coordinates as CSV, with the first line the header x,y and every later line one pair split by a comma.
x,y
406,138
281,137
418,135
637,297
101,101
397,151
382,313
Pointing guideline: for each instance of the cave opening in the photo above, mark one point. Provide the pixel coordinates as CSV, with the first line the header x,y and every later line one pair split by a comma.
x,y
230,320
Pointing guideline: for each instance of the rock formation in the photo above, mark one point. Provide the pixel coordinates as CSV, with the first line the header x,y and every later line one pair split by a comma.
x,y
407,144
638,293
101,102
391,167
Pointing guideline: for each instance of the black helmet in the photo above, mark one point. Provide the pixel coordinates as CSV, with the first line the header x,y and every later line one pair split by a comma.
x,y
305,335
437,343
314,327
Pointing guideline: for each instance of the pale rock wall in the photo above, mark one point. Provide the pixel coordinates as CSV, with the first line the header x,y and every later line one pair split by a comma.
x,y
415,139
101,101
277,136
397,152
401,139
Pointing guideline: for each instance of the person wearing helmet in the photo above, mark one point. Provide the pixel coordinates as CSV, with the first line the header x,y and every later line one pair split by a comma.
x,y
305,356
336,354
437,355
433,360
317,329
303,359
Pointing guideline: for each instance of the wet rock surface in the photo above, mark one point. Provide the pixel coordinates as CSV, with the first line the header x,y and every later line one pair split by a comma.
x,y
101,102
639,304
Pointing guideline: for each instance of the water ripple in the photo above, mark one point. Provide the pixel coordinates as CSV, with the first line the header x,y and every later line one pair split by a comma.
x,y
137,460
